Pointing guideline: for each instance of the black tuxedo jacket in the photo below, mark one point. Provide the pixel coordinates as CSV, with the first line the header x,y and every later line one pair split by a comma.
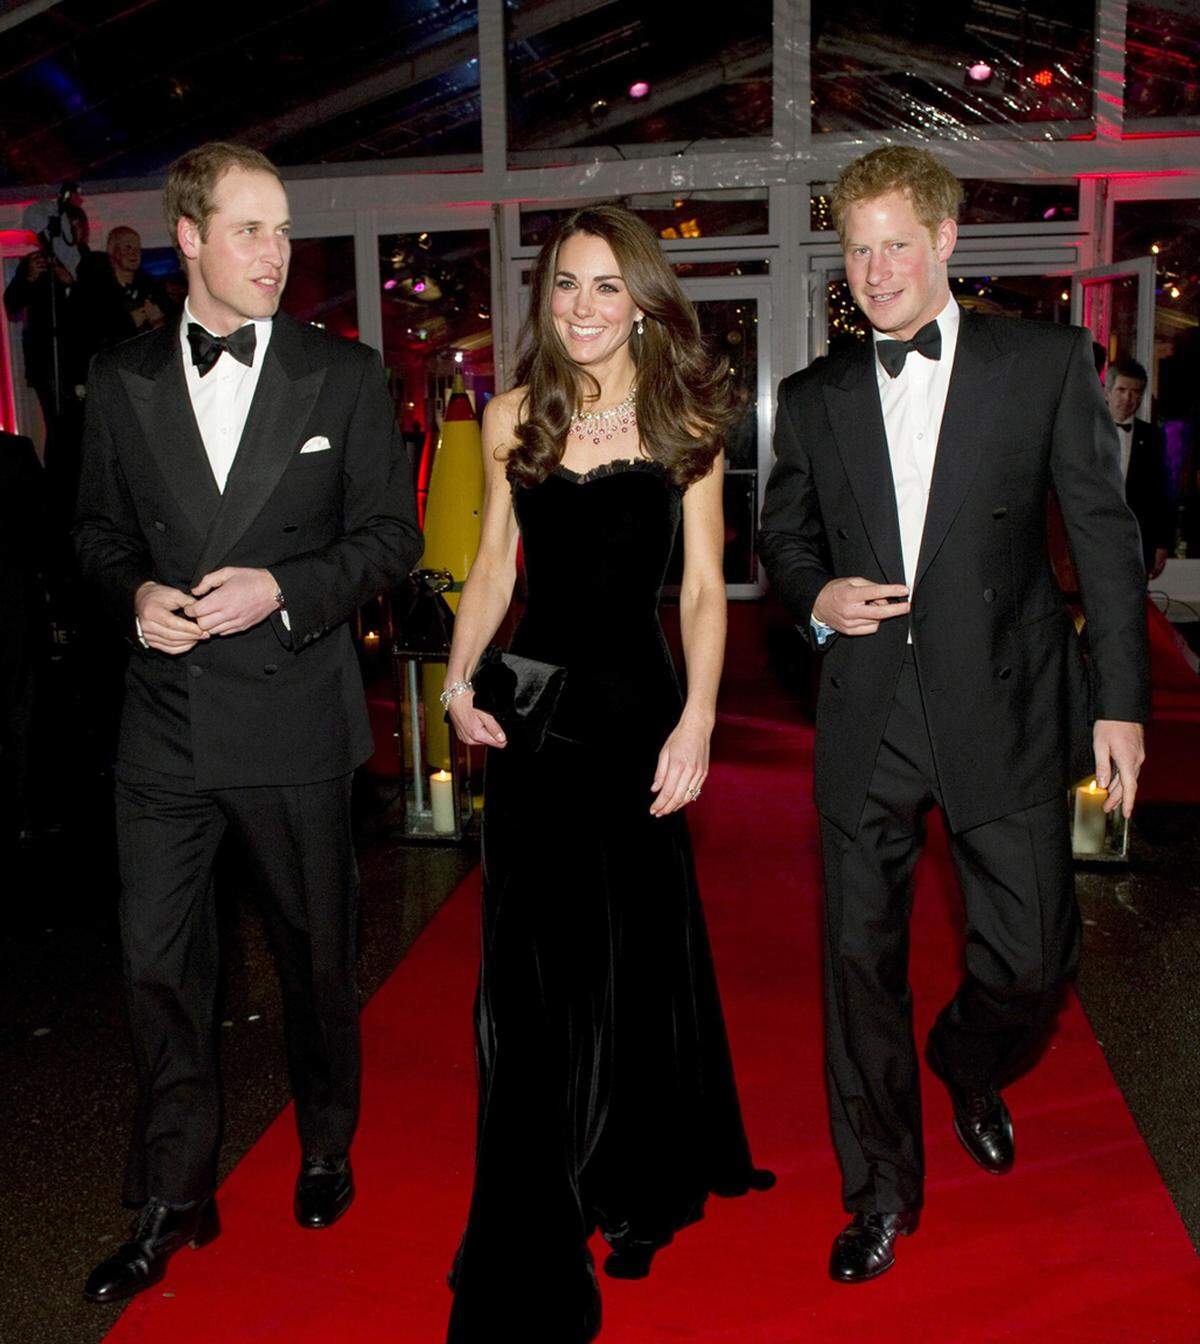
x,y
272,705
994,643
1146,489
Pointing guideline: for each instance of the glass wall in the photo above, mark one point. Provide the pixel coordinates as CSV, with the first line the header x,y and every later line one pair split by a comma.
x,y
437,324
1162,60
950,68
321,285
631,73
987,202
672,215
1170,232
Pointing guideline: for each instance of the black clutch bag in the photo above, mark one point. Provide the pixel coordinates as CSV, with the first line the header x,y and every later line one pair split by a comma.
x,y
521,694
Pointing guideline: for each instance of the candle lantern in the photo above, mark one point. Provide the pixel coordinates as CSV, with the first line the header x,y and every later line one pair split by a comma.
x,y
434,802
1097,836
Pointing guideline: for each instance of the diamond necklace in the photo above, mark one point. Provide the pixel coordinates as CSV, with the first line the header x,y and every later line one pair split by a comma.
x,y
615,420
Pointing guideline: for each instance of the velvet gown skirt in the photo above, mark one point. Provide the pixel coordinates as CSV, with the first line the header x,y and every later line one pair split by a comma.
x,y
606,1090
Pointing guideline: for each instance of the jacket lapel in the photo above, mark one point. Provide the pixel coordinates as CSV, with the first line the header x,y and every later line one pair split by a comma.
x,y
978,361
283,400
856,415
158,390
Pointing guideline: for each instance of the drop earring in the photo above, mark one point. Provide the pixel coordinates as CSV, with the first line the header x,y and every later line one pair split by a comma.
x,y
641,327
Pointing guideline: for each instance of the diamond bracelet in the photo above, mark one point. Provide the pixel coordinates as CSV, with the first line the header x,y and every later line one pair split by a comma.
x,y
453,691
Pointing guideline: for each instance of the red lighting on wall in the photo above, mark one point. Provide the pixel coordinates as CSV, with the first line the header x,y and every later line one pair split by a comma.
x,y
1044,78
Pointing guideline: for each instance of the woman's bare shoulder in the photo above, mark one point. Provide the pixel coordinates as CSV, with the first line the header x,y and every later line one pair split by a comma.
x,y
504,408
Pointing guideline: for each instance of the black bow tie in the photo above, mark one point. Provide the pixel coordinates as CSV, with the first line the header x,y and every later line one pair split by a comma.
x,y
1126,425
892,354
206,348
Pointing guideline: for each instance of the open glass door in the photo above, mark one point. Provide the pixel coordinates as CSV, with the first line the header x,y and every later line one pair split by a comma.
x,y
1116,304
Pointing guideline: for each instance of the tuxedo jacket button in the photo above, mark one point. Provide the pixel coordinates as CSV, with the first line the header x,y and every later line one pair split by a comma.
x,y
843,534
194,670
292,527
989,594
1005,673
999,511
836,683
271,668
159,525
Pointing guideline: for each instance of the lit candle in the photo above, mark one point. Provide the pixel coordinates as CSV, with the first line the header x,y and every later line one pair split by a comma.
x,y
371,639
1091,821
441,792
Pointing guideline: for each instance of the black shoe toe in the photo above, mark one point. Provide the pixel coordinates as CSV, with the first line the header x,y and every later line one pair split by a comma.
x,y
324,1191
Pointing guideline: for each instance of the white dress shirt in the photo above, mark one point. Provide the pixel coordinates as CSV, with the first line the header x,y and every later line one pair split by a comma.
x,y
1125,438
221,399
221,402
913,404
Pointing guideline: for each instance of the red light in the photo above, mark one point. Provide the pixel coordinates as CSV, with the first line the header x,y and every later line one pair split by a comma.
x,y
1044,78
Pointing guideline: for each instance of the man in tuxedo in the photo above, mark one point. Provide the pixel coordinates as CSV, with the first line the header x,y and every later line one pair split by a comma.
x,y
244,490
904,529
1142,466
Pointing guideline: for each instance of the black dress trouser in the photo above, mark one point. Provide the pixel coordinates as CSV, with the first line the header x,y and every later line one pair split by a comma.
x,y
1022,942
298,842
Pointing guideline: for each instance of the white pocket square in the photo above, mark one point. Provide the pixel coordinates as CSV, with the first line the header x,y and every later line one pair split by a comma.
x,y
316,445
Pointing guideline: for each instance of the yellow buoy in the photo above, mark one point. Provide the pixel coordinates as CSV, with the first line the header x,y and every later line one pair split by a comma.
x,y
452,520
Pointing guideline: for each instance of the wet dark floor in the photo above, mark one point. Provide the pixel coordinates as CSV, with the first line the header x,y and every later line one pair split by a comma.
x,y
66,1097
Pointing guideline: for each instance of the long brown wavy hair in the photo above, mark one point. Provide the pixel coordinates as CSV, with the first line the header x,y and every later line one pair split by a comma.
x,y
684,399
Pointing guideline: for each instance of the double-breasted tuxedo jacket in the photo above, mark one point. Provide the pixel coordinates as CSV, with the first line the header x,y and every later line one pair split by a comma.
x,y
256,732
999,666
279,703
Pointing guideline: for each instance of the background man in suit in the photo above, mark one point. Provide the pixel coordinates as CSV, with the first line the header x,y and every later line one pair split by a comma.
x,y
244,491
1142,466
904,528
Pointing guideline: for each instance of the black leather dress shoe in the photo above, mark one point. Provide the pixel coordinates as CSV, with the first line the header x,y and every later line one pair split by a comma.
x,y
981,1120
157,1233
324,1190
863,1250
628,1257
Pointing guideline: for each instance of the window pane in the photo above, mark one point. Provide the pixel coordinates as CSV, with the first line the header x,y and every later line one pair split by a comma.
x,y
437,323
731,328
987,202
696,214
630,73
1162,57
320,287
696,270
944,69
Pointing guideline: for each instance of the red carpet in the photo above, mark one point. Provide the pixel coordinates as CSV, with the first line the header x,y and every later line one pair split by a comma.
x,y
1081,1244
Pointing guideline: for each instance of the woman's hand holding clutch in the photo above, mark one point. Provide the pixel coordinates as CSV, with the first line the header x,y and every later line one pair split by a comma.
x,y
472,725
682,766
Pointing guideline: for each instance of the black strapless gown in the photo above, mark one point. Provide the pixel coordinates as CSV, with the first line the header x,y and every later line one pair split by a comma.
x,y
606,1090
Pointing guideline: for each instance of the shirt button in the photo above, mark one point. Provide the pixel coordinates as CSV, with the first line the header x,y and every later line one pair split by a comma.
x,y
989,594
920,436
